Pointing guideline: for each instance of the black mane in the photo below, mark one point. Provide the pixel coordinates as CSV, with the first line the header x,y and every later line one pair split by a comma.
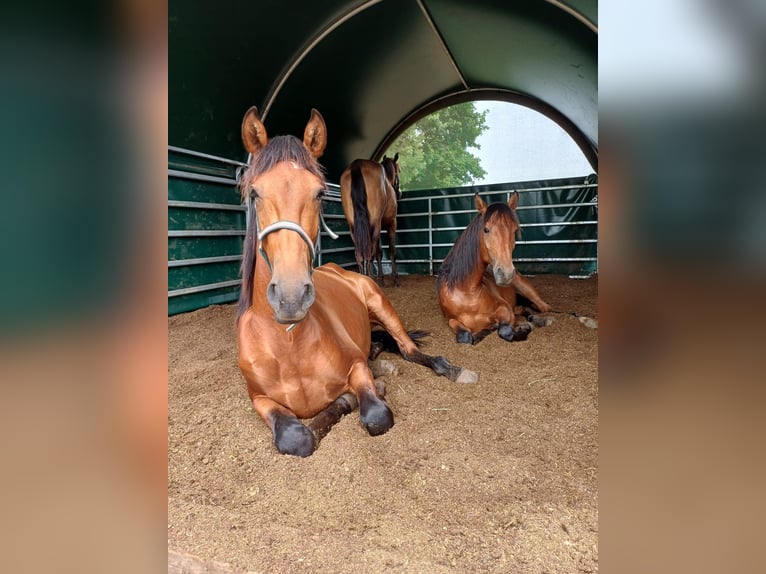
x,y
279,149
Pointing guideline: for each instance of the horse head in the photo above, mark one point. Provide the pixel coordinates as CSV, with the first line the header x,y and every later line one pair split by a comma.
x,y
391,167
285,184
498,237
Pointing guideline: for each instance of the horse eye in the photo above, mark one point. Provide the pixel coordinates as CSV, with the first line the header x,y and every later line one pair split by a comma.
x,y
254,193
486,230
320,194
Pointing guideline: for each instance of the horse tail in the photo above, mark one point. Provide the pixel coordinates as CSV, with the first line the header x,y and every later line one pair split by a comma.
x,y
362,235
388,343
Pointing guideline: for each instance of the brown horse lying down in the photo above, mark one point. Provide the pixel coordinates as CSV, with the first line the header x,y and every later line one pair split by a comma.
x,y
369,192
305,332
477,282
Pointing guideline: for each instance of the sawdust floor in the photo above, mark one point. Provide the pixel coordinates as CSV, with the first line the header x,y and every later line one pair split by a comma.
x,y
499,476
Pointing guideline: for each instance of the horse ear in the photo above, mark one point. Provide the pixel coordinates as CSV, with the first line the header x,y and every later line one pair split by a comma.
x,y
513,201
253,133
315,135
396,157
481,207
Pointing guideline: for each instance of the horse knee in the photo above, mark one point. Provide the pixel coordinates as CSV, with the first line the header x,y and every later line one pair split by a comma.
x,y
293,437
374,414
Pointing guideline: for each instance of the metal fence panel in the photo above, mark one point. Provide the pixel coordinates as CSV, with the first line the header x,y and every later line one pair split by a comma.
x,y
206,227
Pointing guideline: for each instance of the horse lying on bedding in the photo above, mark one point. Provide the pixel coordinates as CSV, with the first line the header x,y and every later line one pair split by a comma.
x,y
305,332
478,283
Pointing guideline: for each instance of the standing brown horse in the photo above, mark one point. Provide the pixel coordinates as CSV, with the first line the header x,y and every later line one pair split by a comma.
x,y
478,283
369,192
305,332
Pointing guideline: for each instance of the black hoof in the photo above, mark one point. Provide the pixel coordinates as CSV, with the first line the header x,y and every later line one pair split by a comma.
x,y
506,332
376,348
522,332
374,414
464,337
293,437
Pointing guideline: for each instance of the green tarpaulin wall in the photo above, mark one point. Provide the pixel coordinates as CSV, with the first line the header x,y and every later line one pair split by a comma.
x,y
372,68
206,226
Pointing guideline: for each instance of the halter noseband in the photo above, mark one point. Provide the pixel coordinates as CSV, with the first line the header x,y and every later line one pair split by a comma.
x,y
276,226
291,226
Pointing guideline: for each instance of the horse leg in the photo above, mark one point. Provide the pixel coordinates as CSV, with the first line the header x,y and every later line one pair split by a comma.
x,y
392,252
462,335
290,435
378,258
507,327
509,333
525,288
321,424
374,414
381,310
360,262
478,337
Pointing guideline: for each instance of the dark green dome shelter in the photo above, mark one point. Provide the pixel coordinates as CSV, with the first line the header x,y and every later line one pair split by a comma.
x,y
372,69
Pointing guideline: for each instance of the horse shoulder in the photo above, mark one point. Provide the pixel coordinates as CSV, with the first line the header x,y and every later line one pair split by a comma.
x,y
344,284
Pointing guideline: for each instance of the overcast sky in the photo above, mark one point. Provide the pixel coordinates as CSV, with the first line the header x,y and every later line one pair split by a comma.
x,y
522,144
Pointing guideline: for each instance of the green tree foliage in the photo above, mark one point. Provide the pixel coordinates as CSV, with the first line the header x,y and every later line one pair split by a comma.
x,y
434,153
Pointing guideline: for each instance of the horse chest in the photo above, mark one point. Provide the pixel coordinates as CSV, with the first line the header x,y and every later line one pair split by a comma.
x,y
477,308
295,363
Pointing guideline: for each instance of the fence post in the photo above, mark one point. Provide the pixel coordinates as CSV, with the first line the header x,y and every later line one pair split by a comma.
x,y
430,239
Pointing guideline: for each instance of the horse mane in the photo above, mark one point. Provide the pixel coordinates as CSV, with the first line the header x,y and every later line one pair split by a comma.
x,y
388,169
464,255
278,149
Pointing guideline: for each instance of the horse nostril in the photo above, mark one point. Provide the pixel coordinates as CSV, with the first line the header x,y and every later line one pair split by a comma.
x,y
308,295
271,293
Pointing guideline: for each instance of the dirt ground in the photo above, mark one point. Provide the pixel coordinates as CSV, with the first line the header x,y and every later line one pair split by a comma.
x,y
498,476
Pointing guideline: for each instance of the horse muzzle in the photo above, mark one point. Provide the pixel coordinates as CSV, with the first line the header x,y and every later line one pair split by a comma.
x,y
290,302
503,277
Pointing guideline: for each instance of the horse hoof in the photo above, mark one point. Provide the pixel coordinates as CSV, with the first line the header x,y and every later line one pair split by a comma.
x,y
467,377
505,332
380,386
522,331
376,417
588,322
464,337
383,368
293,437
540,321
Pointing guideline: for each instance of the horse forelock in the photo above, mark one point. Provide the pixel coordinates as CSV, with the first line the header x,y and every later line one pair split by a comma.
x,y
501,211
278,149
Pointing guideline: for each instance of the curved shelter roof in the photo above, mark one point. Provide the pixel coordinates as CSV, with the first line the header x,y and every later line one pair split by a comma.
x,y
374,67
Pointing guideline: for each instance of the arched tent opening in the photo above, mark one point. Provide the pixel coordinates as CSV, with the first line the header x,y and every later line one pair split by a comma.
x,y
372,68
